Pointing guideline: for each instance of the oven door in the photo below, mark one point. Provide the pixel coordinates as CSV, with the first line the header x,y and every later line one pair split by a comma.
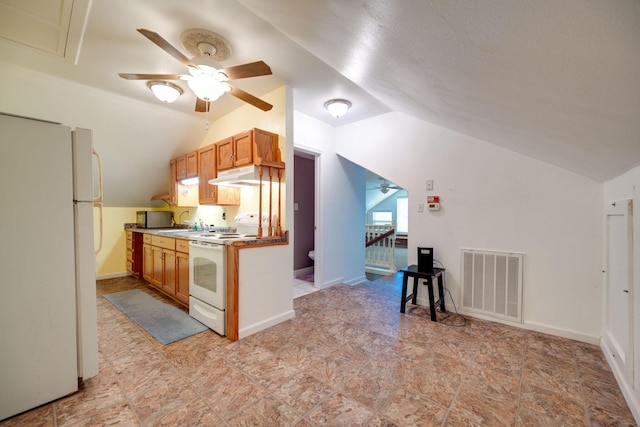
x,y
207,279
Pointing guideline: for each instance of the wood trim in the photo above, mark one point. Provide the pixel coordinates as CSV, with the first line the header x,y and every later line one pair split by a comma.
x,y
233,258
378,238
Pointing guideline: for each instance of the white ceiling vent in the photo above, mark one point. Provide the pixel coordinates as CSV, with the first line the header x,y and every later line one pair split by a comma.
x,y
52,26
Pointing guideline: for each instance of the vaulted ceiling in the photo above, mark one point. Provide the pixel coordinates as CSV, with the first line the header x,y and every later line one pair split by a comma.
x,y
557,80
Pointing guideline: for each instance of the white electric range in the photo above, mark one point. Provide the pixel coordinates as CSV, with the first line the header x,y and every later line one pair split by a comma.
x,y
207,270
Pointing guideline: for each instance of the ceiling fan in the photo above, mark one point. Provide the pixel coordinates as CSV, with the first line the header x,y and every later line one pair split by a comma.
x,y
385,186
206,78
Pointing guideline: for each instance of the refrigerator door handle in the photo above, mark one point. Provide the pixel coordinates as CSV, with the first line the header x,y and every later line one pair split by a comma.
x,y
97,200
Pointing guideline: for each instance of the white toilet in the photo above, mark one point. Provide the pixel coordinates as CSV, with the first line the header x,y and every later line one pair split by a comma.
x,y
312,255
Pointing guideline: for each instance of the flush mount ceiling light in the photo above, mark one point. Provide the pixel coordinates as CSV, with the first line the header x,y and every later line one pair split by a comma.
x,y
337,107
165,91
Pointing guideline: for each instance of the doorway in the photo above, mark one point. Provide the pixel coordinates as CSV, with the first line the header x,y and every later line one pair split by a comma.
x,y
304,214
386,209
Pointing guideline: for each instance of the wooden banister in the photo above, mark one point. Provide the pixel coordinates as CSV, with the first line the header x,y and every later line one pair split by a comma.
x,y
378,238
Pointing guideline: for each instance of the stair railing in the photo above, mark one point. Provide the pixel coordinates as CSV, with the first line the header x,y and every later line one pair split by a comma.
x,y
380,244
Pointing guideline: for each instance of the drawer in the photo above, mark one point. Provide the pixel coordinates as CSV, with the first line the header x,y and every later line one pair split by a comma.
x,y
164,242
129,244
146,239
182,245
130,266
129,235
129,255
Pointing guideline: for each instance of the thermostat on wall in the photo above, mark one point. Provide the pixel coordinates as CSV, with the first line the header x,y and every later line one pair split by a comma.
x,y
433,203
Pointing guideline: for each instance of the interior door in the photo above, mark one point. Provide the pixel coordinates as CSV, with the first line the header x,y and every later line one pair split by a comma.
x,y
618,328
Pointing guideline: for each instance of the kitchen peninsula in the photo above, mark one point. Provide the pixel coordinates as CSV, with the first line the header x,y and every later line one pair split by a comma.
x,y
251,303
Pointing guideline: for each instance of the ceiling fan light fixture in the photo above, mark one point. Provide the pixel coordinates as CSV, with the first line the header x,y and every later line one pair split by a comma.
x,y
207,87
337,107
165,91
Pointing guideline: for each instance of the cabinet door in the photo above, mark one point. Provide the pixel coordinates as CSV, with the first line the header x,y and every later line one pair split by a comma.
x,y
182,277
147,263
191,164
265,145
243,144
206,171
224,154
173,183
157,269
181,167
228,196
169,271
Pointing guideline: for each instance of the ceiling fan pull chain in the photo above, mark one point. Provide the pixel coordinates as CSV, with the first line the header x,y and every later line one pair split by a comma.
x,y
206,114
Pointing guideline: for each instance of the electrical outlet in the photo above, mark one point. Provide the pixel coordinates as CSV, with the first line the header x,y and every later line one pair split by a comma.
x,y
429,184
420,207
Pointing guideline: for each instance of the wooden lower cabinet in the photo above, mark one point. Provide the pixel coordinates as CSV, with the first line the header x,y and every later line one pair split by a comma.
x,y
182,277
165,265
169,271
147,262
157,276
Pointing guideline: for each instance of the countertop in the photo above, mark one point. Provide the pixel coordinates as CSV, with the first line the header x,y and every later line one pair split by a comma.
x,y
190,234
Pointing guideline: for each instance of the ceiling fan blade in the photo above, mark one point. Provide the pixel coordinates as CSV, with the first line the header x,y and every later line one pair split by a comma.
x,y
166,46
247,97
253,69
202,106
130,76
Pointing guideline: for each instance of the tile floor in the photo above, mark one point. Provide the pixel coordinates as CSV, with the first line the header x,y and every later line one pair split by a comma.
x,y
347,358
303,285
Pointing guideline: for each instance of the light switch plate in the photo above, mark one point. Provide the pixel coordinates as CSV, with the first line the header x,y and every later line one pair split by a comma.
x,y
429,184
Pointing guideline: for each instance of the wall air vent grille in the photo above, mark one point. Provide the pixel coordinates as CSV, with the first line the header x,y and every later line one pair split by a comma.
x,y
492,283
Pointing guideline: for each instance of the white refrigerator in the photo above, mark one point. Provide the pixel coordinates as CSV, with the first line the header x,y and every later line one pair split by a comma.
x,y
48,327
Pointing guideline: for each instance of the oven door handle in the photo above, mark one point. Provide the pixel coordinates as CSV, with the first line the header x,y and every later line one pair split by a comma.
x,y
218,248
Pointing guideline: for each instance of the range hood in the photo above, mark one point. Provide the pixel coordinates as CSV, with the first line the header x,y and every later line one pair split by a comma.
x,y
240,177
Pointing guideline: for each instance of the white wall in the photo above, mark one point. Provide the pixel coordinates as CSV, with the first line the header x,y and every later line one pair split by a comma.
x,y
340,205
621,188
135,139
494,199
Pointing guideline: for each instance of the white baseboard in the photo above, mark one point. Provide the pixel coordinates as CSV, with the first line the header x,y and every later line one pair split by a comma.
x,y
357,280
264,324
627,390
113,275
330,283
302,271
531,326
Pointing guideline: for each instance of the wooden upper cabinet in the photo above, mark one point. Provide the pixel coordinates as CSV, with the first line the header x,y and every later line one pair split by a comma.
x,y
206,171
181,167
180,195
173,183
251,147
243,144
224,154
192,164
187,165
212,194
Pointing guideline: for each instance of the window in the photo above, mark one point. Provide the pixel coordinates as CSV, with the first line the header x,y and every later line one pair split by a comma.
x,y
402,206
382,217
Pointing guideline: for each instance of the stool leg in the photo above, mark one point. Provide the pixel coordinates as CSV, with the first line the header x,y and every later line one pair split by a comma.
x,y
432,303
403,300
414,300
441,292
